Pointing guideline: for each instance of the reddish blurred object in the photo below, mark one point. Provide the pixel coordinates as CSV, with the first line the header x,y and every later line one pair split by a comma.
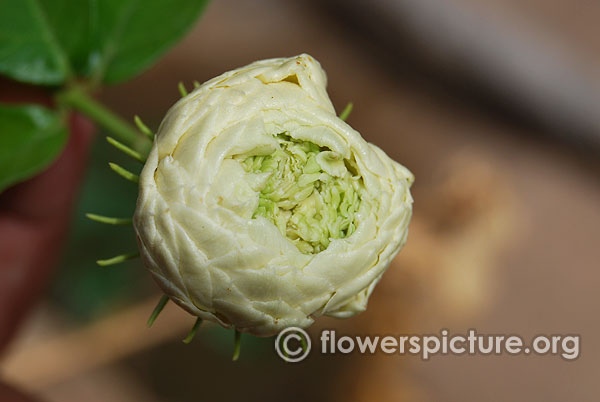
x,y
34,218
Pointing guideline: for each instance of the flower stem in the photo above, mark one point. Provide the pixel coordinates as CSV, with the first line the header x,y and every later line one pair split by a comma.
x,y
79,100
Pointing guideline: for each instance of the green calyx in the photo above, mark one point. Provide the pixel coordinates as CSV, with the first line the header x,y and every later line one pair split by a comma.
x,y
311,194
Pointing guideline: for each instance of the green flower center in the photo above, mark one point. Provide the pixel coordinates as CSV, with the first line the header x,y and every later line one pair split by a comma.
x,y
310,193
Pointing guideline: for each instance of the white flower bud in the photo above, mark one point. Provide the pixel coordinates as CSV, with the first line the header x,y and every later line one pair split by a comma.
x,y
260,209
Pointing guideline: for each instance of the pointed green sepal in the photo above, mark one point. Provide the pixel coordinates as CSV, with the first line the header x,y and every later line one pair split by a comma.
x,y
182,89
117,259
126,150
347,110
237,344
157,310
124,173
142,127
192,333
109,219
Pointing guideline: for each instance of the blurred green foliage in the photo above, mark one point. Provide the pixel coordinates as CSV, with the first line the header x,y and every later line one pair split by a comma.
x,y
83,289
50,41
78,44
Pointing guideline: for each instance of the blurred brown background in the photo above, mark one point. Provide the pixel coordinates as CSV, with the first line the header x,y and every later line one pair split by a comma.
x,y
493,105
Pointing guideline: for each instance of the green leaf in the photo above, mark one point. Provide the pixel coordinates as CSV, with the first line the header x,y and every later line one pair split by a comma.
x,y
130,35
29,49
49,41
30,139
